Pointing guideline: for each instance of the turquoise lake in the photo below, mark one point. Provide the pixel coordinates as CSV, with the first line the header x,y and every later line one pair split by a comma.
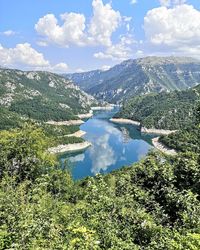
x,y
113,146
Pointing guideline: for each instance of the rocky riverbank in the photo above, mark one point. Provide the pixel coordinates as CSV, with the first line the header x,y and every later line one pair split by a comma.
x,y
157,131
110,107
85,116
78,134
124,121
162,147
155,141
66,123
69,148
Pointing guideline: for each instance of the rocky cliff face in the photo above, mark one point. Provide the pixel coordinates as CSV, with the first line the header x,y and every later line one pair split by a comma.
x,y
140,76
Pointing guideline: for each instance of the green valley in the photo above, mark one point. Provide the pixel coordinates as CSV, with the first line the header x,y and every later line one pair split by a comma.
x,y
100,125
151,205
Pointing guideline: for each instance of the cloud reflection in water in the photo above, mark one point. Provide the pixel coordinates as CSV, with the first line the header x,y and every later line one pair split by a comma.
x,y
77,158
102,154
112,147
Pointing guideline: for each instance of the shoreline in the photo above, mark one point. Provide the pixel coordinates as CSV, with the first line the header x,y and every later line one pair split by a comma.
x,y
157,131
66,123
124,121
102,108
155,141
85,116
78,134
143,129
158,145
69,148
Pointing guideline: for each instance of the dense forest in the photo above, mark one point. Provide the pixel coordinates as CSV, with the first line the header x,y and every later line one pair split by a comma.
x,y
184,139
41,109
9,119
154,204
174,110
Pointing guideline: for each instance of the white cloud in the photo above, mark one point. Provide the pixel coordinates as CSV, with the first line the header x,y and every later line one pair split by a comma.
x,y
174,29
22,54
73,30
104,22
25,57
105,67
8,33
42,43
139,53
133,1
80,70
120,51
169,3
59,68
127,19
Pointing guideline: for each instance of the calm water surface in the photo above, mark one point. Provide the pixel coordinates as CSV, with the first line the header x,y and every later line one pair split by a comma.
x,y
113,146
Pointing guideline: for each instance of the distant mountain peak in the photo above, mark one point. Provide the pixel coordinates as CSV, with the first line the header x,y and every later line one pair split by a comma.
x,y
140,76
156,60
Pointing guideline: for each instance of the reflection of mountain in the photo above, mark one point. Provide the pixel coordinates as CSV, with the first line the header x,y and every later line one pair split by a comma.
x,y
102,155
132,132
125,135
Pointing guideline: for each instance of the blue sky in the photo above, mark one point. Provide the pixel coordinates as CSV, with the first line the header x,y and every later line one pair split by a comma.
x,y
69,36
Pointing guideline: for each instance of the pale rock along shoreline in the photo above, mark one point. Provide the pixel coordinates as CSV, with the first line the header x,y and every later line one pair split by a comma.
x,y
79,133
162,147
110,107
66,123
143,129
69,148
124,121
85,116
157,131
155,141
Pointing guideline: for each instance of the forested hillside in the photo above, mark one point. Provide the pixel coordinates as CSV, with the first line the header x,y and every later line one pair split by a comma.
x,y
9,119
152,205
42,95
140,76
172,110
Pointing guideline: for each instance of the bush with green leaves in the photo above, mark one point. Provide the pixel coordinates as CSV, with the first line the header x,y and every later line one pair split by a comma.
x,y
151,205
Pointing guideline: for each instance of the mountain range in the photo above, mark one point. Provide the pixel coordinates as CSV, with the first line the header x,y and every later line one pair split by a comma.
x,y
138,77
41,95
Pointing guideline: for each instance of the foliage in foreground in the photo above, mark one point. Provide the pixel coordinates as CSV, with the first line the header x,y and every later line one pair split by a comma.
x,y
9,119
151,205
